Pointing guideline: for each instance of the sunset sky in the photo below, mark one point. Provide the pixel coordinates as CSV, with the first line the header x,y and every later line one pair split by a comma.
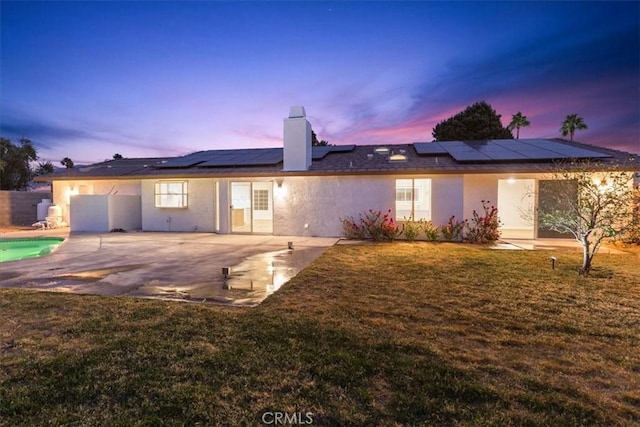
x,y
90,79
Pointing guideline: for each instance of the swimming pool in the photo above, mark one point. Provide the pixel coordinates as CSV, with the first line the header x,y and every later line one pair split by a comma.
x,y
14,249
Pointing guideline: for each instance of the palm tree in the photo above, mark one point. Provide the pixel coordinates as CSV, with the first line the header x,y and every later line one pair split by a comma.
x,y
518,121
571,124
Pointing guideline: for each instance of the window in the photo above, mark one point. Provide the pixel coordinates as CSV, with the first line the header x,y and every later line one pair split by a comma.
x,y
398,158
413,199
406,194
260,200
171,194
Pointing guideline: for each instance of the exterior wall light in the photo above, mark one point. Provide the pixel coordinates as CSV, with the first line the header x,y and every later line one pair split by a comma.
x,y
280,191
71,191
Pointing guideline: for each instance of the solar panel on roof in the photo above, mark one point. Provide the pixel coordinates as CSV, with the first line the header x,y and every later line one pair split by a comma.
x,y
507,150
244,157
184,162
429,148
319,152
464,152
342,148
570,151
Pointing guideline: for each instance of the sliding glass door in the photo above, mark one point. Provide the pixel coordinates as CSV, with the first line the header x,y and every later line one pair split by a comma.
x,y
252,207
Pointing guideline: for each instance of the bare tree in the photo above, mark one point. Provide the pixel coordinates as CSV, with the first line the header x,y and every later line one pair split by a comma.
x,y
593,203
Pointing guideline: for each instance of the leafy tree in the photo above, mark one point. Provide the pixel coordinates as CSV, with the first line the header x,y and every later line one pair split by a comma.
x,y
315,142
117,156
15,167
591,206
571,124
44,168
518,121
67,163
477,122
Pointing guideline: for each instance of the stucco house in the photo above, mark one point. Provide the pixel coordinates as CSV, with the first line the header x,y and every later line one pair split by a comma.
x,y
303,190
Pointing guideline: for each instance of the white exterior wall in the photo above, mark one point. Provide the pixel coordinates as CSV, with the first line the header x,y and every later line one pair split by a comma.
x,y
64,190
100,213
125,212
90,213
198,215
305,205
476,189
446,198
320,202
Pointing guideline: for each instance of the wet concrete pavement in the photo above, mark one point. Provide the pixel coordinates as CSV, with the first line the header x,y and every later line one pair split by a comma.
x,y
179,266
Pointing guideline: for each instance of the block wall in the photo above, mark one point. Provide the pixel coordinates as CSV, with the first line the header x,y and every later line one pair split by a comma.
x,y
19,208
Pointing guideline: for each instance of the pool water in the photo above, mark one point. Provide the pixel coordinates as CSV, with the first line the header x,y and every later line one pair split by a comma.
x,y
15,249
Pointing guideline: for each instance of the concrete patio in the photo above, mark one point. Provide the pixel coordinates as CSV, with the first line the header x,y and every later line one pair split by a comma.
x,y
179,266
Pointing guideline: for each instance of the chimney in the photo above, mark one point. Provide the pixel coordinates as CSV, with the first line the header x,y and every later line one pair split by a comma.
x,y
297,140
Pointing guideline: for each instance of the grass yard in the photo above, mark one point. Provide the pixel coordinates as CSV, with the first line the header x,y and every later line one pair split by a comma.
x,y
376,334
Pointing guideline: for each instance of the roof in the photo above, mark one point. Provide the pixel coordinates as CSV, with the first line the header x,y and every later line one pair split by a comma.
x,y
508,155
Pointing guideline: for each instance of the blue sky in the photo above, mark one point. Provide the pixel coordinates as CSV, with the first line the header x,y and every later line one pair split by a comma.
x,y
90,79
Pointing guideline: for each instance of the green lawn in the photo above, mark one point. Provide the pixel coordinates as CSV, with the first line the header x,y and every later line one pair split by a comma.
x,y
376,334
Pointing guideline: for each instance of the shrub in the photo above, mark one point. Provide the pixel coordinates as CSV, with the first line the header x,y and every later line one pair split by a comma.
x,y
412,228
431,232
390,229
483,229
452,230
379,226
352,229
372,225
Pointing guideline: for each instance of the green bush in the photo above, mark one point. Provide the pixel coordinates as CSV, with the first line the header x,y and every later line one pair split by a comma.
x,y
431,232
412,228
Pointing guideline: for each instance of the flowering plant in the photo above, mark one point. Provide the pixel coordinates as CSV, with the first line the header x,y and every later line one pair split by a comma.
x,y
452,230
352,230
483,229
379,226
372,225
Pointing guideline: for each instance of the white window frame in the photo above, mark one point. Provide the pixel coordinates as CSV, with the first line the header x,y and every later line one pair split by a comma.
x,y
414,194
171,194
412,188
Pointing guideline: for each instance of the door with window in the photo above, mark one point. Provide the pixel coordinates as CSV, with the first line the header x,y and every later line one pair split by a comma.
x,y
252,207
